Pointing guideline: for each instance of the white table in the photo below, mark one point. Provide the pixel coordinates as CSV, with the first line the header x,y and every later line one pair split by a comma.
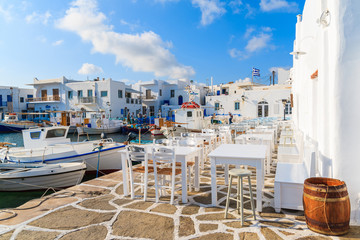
x,y
182,154
239,154
266,139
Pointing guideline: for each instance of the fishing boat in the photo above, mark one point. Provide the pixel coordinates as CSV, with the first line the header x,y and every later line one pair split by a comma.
x,y
26,177
11,123
98,123
50,145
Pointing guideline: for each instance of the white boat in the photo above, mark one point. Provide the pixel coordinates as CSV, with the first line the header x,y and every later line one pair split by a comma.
x,y
11,123
25,177
50,145
100,124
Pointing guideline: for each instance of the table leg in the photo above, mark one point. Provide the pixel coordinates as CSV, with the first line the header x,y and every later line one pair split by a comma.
x,y
213,182
184,180
226,174
268,160
259,185
124,168
197,173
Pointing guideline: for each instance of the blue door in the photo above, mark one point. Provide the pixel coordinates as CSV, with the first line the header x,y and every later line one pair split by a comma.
x,y
180,100
9,98
1,103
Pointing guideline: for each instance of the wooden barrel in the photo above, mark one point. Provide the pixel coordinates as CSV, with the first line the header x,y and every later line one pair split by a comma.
x,y
326,206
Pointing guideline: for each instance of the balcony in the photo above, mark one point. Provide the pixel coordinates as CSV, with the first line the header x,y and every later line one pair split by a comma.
x,y
87,100
43,99
149,98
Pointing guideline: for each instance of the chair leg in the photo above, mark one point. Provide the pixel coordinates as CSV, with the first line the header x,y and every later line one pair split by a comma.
x,y
131,180
156,184
238,195
172,188
145,183
189,178
228,197
251,198
242,201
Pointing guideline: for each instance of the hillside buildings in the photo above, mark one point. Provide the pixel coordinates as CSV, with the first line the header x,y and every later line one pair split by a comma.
x,y
13,99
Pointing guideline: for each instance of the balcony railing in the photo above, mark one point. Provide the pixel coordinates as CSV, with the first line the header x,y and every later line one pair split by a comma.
x,y
87,100
151,97
44,99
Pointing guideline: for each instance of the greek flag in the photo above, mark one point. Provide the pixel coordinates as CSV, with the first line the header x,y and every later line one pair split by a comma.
x,y
256,72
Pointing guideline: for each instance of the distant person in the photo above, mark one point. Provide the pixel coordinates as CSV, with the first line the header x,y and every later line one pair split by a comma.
x,y
132,117
159,113
230,118
213,118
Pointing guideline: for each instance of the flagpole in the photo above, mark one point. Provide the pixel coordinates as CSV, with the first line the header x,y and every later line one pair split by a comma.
x,y
252,76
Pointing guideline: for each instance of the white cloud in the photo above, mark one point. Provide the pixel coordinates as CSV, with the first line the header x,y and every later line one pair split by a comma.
x,y
210,10
89,69
145,52
57,43
37,17
272,5
258,42
249,31
6,13
235,53
245,80
165,1
132,26
235,5
42,39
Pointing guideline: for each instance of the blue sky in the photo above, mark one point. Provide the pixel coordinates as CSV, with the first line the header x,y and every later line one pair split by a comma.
x,y
132,40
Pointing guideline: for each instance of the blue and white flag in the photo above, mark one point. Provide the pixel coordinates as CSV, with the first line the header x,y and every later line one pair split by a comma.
x,y
255,72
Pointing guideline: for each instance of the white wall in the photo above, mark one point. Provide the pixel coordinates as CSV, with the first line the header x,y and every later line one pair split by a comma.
x,y
325,106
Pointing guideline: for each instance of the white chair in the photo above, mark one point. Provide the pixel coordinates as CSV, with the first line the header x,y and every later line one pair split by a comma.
x,y
165,165
138,154
253,140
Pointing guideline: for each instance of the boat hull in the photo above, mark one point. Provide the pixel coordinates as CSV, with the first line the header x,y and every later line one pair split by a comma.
x,y
43,178
97,131
109,159
8,127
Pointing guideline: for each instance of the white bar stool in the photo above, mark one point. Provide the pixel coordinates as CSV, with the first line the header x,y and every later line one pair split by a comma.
x,y
240,173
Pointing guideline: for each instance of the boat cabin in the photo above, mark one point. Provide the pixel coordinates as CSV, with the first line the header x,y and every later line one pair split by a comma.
x,y
190,116
42,137
11,117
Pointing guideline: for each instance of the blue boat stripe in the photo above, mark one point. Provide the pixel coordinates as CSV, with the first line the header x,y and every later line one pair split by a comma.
x,y
74,156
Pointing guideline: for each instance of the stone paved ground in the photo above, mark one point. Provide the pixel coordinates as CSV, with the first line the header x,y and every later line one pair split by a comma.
x,y
97,210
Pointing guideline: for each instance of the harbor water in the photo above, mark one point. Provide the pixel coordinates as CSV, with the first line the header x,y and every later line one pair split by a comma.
x,y
15,199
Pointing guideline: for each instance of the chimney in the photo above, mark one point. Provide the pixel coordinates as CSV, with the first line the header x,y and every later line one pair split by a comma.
x,y
299,18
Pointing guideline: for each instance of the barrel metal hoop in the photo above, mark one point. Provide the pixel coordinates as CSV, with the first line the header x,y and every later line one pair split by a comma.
x,y
326,199
327,232
325,190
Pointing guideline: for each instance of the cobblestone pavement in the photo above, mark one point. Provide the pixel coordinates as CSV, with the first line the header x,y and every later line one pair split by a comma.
x,y
97,209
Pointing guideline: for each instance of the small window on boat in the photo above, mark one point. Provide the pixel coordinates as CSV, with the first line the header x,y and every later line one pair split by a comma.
x,y
56,133
35,135
189,114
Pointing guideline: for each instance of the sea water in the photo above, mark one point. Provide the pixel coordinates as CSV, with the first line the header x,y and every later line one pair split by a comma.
x,y
15,199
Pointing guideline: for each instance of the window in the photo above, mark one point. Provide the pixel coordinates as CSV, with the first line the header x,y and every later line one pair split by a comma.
x,y
120,94
21,99
152,111
189,114
60,132
160,92
172,93
288,108
90,92
80,93
237,105
35,135
30,96
132,101
148,93
217,106
263,109
103,93
70,94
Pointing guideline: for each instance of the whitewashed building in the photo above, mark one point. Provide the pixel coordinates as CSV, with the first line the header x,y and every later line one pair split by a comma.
x,y
62,94
12,99
162,97
326,90
250,100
